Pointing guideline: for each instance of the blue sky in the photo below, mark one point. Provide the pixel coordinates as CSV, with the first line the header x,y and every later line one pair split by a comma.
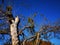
x,y
50,8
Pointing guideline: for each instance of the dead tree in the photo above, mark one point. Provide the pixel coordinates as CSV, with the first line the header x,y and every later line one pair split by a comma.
x,y
13,29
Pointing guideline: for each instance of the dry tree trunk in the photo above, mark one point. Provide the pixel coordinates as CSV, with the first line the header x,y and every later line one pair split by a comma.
x,y
24,42
37,40
13,29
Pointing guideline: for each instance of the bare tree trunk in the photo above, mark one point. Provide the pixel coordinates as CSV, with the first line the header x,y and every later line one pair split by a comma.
x,y
24,42
37,40
13,29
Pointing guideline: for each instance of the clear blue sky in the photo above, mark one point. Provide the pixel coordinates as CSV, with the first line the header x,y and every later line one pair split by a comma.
x,y
50,8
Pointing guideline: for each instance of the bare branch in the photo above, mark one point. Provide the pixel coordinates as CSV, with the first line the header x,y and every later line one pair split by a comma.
x,y
4,32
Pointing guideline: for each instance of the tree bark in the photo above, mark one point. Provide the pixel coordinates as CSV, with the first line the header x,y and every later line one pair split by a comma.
x,y
37,40
13,29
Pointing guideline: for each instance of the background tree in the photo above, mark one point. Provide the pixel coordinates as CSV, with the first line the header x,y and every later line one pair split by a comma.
x,y
45,32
